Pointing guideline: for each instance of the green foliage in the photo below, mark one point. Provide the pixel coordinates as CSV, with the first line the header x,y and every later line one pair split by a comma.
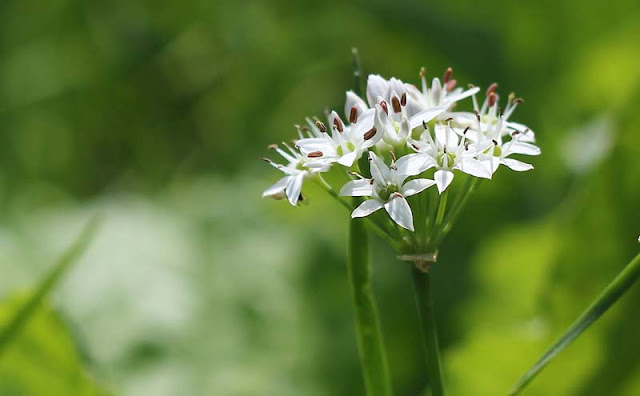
x,y
44,358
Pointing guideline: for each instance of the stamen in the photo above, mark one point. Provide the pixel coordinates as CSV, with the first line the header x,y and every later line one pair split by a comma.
x,y
403,99
478,116
321,126
466,146
370,133
450,85
518,101
272,146
491,99
337,123
384,106
356,174
447,75
315,154
393,156
492,88
424,125
494,142
353,115
465,130
449,119
394,167
395,103
423,72
515,133
415,147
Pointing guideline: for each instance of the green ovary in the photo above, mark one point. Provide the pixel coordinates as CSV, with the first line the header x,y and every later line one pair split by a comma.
x,y
450,158
349,148
386,192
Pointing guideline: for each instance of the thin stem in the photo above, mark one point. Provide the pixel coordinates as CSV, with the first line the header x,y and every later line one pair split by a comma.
x,y
373,357
357,72
424,305
457,209
610,295
442,206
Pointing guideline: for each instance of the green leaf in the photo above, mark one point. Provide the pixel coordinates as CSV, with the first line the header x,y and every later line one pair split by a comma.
x,y
43,358
22,315
611,294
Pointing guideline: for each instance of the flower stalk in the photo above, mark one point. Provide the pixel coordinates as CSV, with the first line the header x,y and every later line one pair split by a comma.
x,y
424,305
373,358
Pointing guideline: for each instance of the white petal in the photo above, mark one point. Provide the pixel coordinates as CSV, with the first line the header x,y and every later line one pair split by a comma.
x,y
376,86
357,188
277,190
379,170
465,94
400,211
516,165
522,148
294,187
473,167
348,159
413,164
366,208
443,178
354,100
416,186
310,145
426,116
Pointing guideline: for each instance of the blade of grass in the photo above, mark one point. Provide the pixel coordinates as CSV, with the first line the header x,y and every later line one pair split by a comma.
x,y
51,279
609,296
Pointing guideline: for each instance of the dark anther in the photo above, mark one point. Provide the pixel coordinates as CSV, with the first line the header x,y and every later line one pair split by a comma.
x,y
353,115
491,99
384,106
321,126
395,103
337,123
447,75
494,142
492,88
403,99
315,154
272,146
370,133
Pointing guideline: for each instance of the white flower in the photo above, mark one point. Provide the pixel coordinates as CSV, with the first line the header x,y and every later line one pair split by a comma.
x,y
296,171
346,143
388,189
392,117
490,128
443,94
448,152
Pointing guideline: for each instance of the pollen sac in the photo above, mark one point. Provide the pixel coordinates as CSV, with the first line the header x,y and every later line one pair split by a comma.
x,y
395,103
384,106
337,124
370,133
492,88
447,75
403,99
353,115
491,99
321,126
315,154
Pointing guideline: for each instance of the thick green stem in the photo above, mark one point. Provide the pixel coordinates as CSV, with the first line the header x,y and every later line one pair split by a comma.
x,y
368,330
424,305
610,295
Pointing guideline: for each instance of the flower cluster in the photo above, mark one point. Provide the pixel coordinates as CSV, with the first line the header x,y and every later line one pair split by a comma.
x,y
414,138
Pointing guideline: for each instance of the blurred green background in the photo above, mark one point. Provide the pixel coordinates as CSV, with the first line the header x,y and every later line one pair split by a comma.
x,y
154,114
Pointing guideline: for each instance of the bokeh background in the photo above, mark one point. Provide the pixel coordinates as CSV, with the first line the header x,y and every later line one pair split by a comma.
x,y
155,114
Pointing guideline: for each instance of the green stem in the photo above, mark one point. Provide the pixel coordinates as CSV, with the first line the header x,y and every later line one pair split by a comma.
x,y
424,305
442,206
457,208
368,330
610,295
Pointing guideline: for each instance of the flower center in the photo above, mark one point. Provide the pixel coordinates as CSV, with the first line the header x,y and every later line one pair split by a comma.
x,y
344,148
440,159
386,192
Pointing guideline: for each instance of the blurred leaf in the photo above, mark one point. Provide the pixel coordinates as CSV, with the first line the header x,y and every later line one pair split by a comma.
x,y
611,294
43,359
22,315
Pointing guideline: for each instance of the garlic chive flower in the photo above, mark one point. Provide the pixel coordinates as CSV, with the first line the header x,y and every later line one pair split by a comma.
x,y
296,171
434,141
387,188
439,94
345,144
448,152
